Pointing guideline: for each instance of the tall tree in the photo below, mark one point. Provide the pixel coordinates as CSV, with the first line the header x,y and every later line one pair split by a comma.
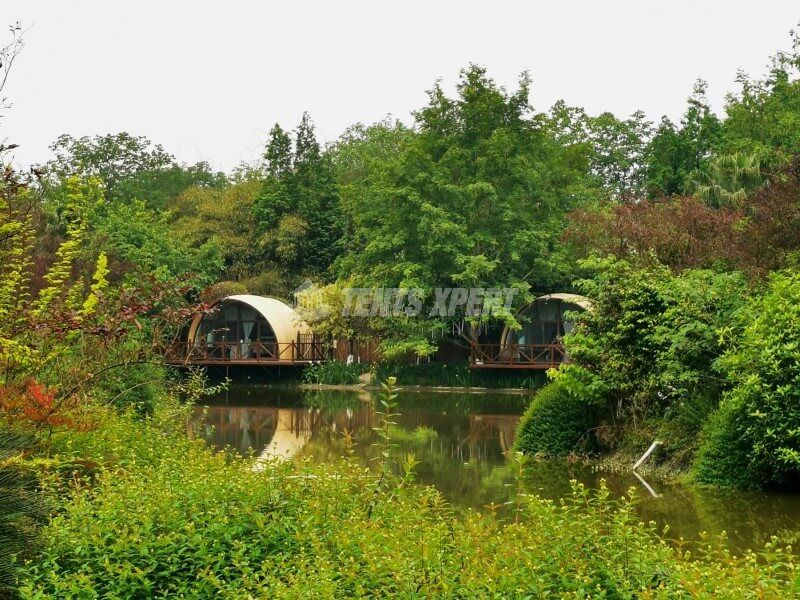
x,y
762,117
298,210
614,148
677,151
476,198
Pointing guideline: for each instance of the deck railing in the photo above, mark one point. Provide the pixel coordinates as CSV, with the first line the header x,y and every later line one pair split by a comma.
x,y
517,356
304,350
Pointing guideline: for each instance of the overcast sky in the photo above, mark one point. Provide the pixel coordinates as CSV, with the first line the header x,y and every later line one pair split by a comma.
x,y
208,79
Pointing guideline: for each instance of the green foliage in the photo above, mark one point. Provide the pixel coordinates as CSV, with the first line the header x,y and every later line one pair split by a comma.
x,y
556,423
332,531
729,179
21,507
222,216
477,197
762,410
298,210
649,343
676,152
723,458
334,373
144,238
139,386
129,167
762,116
452,375
614,149
429,374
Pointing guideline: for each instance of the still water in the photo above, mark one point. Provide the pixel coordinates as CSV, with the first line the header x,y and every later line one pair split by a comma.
x,y
460,441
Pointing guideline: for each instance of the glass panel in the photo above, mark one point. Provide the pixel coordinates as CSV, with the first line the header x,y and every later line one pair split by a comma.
x,y
248,313
265,333
249,332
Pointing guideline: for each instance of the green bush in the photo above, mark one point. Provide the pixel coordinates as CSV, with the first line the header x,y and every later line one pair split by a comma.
x,y
556,423
435,374
723,457
761,412
649,343
180,521
21,507
139,385
334,373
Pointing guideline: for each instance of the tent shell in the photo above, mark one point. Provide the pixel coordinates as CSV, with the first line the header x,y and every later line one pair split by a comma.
x,y
282,318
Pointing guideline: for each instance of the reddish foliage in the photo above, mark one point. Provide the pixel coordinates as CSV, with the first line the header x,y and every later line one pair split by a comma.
x,y
682,232
36,405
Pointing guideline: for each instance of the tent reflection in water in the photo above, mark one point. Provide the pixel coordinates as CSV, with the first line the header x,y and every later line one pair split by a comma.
x,y
544,324
247,327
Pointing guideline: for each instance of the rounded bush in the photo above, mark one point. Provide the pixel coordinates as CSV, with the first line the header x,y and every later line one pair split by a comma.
x,y
555,424
723,457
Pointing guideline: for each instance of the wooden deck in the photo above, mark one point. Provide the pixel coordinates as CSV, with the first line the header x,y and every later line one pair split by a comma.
x,y
305,350
516,356
308,349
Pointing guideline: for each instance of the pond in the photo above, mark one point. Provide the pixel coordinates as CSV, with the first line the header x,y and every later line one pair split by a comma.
x,y
460,441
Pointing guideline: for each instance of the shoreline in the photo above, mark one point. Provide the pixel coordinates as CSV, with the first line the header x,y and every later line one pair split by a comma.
x,y
360,387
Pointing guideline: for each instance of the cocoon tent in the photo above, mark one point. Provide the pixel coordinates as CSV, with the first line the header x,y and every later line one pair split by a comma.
x,y
247,327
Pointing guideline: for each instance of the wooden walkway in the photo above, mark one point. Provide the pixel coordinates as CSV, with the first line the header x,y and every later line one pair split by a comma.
x,y
516,356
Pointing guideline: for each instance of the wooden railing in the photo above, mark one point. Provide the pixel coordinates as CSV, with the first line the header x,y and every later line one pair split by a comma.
x,y
304,350
517,356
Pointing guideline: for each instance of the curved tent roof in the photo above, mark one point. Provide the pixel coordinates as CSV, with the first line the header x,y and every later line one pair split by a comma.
x,y
575,299
283,319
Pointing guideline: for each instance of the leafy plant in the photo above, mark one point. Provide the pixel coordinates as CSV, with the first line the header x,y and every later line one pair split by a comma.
x,y
177,508
335,373
21,507
756,437
556,424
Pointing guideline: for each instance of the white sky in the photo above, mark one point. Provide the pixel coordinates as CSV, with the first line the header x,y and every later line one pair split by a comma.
x,y
208,79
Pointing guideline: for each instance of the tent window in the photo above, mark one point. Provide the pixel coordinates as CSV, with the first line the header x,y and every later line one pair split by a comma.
x,y
234,323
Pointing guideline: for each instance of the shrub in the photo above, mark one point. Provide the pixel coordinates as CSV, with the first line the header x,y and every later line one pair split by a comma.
x,y
650,342
334,373
186,522
761,413
136,385
454,375
723,457
555,424
20,507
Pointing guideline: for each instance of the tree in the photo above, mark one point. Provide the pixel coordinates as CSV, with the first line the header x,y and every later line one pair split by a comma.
x,y
129,167
762,117
614,148
221,216
728,179
675,152
298,211
475,198
8,54
759,235
646,350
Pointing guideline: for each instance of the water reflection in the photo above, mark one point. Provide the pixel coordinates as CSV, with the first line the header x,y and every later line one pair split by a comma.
x,y
460,441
